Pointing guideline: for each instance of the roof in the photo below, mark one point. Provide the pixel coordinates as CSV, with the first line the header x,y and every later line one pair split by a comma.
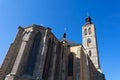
x,y
71,43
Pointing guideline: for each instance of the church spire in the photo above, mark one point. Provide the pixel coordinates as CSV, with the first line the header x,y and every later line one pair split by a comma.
x,y
89,41
88,20
64,35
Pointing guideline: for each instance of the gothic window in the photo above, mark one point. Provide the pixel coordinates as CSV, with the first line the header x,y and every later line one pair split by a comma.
x,y
90,53
63,52
85,32
89,31
88,42
29,68
70,64
47,60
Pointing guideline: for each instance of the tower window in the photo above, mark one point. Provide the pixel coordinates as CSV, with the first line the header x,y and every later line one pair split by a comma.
x,y
90,53
88,42
89,31
85,32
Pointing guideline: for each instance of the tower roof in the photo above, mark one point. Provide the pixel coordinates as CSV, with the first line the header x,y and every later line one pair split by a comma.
x,y
71,43
88,20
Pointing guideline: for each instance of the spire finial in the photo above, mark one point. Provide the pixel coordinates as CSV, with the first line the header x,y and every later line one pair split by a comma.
x,y
88,18
64,35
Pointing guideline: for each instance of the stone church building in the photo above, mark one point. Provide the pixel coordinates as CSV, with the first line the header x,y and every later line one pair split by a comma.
x,y
36,54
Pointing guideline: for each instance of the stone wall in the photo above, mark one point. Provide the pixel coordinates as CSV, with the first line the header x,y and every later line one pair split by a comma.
x,y
95,74
54,53
9,60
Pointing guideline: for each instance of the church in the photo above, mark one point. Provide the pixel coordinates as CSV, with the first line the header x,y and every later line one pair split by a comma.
x,y
36,54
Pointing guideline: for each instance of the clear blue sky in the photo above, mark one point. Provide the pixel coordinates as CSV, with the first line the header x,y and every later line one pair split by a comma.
x,y
71,14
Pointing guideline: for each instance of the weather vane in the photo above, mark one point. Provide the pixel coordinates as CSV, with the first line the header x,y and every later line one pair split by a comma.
x,y
88,14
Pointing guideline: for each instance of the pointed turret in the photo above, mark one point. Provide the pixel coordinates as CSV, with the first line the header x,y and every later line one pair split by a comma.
x,y
64,35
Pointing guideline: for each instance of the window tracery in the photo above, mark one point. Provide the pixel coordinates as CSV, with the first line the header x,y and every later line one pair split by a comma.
x,y
30,65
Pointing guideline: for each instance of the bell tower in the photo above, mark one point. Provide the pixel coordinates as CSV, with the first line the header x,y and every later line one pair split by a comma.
x,y
89,41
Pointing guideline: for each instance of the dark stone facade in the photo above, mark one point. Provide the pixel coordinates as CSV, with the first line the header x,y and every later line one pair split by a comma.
x,y
36,54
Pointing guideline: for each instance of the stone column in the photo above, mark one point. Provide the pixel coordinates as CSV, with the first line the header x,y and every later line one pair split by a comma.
x,y
43,55
84,65
64,60
60,66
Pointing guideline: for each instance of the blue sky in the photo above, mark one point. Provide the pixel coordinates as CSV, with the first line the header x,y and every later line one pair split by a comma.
x,y
70,14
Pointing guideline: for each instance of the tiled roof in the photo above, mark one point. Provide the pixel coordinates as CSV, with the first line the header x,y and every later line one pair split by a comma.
x,y
71,43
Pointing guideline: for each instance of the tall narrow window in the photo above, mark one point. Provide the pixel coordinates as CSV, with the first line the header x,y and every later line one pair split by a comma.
x,y
47,60
85,32
89,31
29,68
90,54
70,64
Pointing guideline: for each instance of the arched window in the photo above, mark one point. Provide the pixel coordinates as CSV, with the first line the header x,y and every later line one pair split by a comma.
x,y
85,32
90,53
30,65
47,60
88,42
70,64
89,30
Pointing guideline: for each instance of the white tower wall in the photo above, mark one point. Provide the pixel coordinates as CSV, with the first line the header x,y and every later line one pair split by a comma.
x,y
89,41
